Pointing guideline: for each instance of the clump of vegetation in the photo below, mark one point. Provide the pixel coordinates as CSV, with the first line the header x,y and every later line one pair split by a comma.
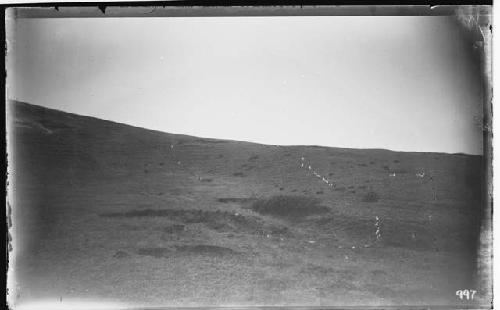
x,y
291,207
238,174
371,196
319,192
120,254
247,167
254,157
385,167
395,161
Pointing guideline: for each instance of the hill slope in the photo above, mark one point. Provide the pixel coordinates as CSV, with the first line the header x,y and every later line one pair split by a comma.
x,y
112,212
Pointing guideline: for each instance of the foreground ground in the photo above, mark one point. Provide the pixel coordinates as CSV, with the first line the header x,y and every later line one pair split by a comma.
x,y
108,212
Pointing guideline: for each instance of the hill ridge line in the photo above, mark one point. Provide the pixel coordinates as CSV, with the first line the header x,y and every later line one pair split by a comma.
x,y
94,118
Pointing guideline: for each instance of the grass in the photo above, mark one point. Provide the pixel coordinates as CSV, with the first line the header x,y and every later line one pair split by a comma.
x,y
288,206
137,252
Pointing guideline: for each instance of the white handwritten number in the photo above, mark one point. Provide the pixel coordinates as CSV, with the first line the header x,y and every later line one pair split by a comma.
x,y
465,294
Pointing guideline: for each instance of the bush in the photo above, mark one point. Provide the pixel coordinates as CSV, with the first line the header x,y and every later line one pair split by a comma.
x,y
253,157
371,196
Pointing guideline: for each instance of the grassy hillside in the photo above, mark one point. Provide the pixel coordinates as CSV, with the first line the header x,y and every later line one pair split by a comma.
x,y
112,212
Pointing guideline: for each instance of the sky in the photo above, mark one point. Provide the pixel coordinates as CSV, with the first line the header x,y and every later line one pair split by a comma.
x,y
395,82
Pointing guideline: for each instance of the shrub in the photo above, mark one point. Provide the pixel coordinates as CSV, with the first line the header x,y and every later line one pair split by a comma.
x,y
254,157
371,196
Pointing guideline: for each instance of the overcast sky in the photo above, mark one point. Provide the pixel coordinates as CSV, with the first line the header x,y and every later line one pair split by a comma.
x,y
400,83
